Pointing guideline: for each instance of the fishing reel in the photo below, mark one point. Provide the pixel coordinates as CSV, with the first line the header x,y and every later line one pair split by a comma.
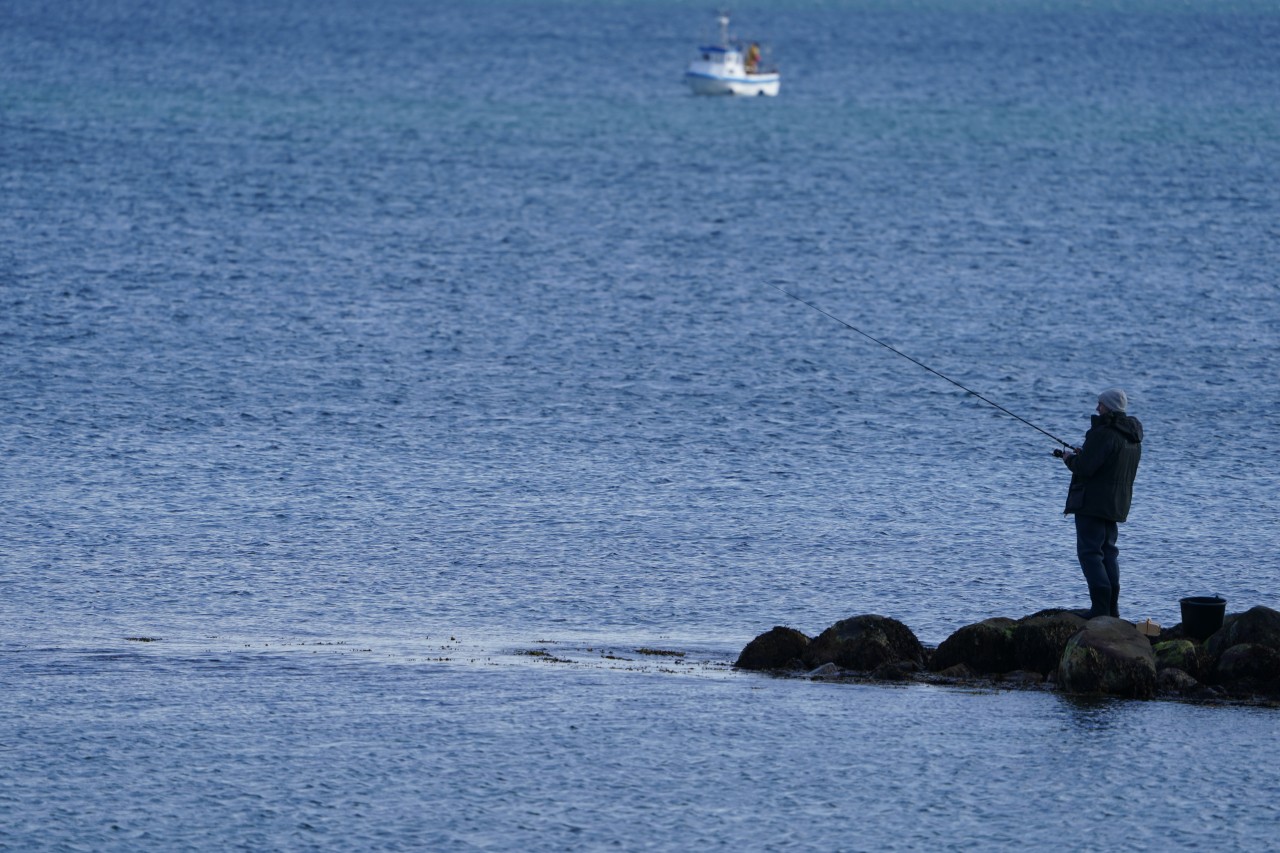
x,y
1058,452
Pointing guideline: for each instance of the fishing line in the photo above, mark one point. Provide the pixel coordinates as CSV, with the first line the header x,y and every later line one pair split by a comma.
x,y
920,363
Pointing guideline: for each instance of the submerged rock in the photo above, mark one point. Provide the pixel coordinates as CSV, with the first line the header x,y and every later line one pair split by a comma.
x,y
779,648
1109,656
864,643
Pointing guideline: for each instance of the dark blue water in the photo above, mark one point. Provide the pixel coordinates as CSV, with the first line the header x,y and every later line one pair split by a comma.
x,y
356,350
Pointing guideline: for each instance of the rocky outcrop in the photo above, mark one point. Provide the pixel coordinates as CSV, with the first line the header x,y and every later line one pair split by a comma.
x,y
1111,657
1052,648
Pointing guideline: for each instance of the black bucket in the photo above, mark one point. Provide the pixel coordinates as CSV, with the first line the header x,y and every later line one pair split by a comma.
x,y
1202,615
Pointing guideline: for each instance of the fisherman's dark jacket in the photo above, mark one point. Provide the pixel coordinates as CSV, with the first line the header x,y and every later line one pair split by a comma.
x,y
1102,473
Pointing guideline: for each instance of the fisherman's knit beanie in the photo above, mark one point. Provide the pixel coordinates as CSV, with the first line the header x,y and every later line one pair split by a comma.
x,y
1114,399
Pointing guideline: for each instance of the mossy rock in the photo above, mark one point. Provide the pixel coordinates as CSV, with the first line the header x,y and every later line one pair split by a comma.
x,y
1185,655
985,647
1111,657
778,648
864,643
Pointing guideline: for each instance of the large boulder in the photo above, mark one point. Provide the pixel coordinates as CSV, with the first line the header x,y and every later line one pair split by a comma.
x,y
1249,668
864,643
1109,656
1257,625
1040,639
779,648
984,647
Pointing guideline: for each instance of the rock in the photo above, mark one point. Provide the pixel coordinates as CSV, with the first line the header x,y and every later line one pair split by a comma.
x,y
779,648
986,646
863,643
1022,676
1049,611
960,672
1176,682
1249,667
1184,655
1109,656
896,670
827,670
1040,639
1258,625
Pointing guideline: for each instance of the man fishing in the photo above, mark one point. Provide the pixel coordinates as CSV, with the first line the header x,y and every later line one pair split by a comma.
x,y
1102,474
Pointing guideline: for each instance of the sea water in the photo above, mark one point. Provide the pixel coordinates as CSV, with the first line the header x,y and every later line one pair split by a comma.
x,y
403,429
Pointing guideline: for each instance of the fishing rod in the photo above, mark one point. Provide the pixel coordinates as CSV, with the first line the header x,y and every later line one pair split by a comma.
x,y
925,366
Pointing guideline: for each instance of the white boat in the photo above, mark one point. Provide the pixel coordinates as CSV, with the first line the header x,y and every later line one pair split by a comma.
x,y
727,69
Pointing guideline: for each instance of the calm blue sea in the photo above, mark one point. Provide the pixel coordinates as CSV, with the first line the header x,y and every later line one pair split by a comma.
x,y
384,382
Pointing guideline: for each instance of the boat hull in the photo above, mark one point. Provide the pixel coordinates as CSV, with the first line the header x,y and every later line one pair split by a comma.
x,y
715,84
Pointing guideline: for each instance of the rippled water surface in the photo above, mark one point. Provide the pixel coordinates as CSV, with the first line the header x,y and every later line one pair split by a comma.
x,y
386,384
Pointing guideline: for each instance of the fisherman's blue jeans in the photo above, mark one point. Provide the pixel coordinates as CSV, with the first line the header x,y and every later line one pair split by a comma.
x,y
1097,551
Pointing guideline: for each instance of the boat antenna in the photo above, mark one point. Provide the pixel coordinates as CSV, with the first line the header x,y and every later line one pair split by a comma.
x,y
921,364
